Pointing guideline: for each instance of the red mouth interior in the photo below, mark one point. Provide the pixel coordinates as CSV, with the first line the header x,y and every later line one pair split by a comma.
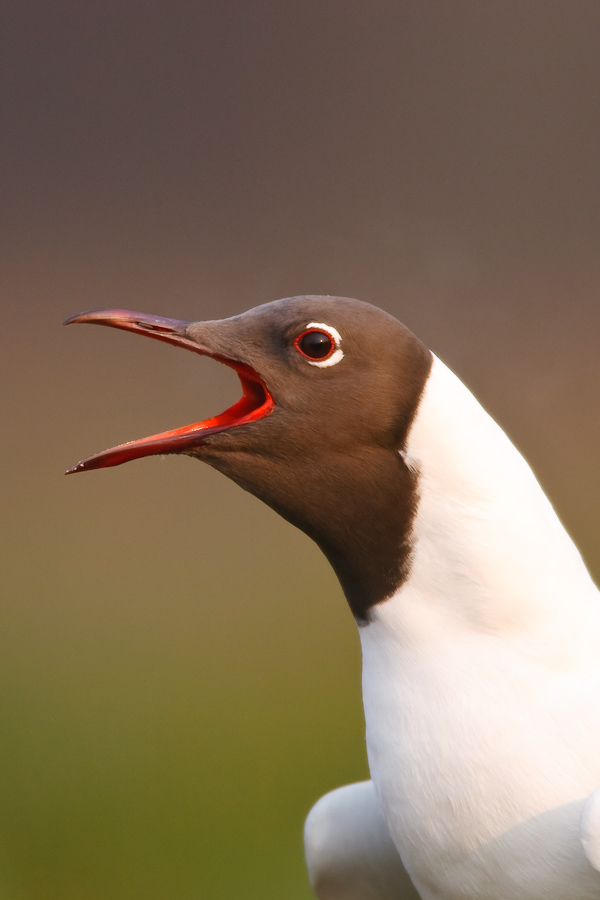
x,y
255,403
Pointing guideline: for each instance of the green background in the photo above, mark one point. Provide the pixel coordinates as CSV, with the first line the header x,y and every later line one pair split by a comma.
x,y
180,676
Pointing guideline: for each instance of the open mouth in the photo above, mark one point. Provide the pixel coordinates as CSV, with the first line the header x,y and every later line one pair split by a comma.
x,y
255,403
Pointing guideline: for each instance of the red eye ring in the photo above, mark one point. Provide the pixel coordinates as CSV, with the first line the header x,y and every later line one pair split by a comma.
x,y
314,353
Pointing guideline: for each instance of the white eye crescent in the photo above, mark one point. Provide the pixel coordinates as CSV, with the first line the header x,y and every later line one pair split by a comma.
x,y
320,345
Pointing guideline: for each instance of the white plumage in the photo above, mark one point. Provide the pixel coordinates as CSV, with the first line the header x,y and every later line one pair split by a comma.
x,y
481,683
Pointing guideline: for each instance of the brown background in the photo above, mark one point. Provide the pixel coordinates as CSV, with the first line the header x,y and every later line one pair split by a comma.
x,y
180,678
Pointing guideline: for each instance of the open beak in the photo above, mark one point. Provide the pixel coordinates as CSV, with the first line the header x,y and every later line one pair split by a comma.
x,y
255,403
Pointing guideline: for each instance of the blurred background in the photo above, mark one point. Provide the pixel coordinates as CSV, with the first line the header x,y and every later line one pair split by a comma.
x,y
179,673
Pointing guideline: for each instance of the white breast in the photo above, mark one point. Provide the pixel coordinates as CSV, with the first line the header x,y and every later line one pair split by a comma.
x,y
481,676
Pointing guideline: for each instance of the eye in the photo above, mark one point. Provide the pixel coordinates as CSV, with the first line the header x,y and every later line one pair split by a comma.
x,y
320,345
315,344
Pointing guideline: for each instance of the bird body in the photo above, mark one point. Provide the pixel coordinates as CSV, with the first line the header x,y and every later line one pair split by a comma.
x,y
479,624
481,676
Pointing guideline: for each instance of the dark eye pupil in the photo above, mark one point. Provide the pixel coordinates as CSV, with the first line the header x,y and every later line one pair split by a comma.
x,y
315,344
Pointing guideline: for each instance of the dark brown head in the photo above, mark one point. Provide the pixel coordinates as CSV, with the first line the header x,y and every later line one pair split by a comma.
x,y
330,387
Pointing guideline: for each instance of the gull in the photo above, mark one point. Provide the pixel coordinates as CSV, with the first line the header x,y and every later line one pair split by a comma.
x,y
479,623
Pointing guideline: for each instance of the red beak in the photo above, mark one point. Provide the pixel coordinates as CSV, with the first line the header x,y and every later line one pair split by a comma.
x,y
255,402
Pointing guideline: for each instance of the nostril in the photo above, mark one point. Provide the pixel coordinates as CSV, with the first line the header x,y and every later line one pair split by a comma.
x,y
148,326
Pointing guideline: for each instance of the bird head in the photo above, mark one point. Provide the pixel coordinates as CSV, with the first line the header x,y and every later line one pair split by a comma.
x,y
330,386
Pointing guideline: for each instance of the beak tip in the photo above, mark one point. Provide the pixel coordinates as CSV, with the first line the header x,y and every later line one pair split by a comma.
x,y
81,317
79,467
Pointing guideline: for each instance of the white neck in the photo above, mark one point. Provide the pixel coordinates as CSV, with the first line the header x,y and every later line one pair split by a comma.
x,y
489,551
